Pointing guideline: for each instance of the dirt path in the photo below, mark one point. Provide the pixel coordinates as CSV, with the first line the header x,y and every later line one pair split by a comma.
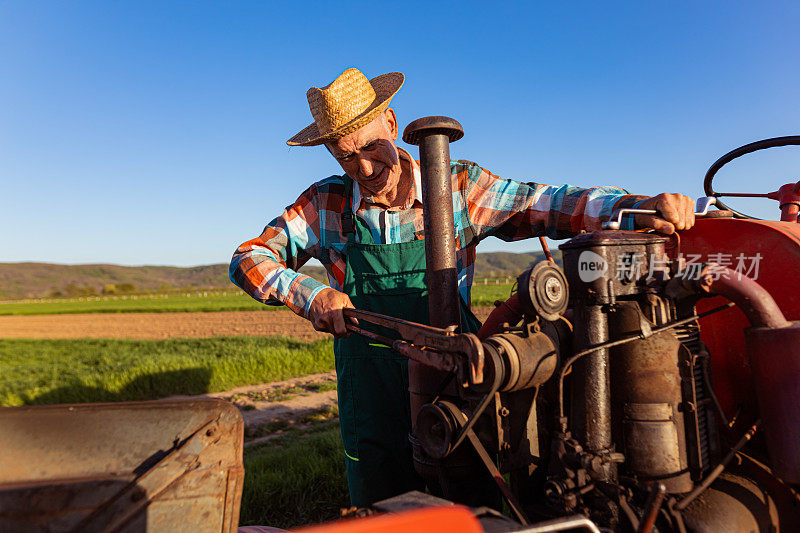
x,y
282,399
158,325
165,325
271,409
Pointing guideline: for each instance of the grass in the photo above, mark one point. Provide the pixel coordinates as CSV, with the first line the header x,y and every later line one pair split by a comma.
x,y
321,386
296,479
165,303
482,295
329,412
96,370
486,295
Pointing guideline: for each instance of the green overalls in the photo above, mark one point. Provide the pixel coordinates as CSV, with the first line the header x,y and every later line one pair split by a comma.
x,y
374,411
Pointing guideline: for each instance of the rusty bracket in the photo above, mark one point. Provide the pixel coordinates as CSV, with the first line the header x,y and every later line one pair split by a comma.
x,y
437,347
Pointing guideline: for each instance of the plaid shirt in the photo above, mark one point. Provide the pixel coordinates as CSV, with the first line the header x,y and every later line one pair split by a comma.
x,y
484,205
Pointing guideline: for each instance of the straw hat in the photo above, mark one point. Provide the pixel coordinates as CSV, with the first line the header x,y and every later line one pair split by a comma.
x,y
347,103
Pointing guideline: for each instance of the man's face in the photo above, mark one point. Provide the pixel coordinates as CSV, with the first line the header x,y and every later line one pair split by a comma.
x,y
369,155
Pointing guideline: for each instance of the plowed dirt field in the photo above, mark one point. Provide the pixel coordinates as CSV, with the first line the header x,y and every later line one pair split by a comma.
x,y
165,325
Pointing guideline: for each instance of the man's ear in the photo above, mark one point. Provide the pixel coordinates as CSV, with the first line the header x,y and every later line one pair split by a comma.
x,y
391,121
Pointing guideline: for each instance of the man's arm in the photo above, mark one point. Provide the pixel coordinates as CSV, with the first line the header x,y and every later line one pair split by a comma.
x,y
266,267
511,210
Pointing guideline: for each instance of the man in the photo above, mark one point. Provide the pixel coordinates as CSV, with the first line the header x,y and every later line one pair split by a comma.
x,y
366,228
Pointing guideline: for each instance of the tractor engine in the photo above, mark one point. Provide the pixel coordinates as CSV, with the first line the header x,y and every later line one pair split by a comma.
x,y
597,398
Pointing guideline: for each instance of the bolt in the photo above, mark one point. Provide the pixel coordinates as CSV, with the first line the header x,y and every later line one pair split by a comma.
x,y
592,463
553,289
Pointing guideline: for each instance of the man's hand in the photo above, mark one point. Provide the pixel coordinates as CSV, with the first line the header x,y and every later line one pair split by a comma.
x,y
326,313
676,212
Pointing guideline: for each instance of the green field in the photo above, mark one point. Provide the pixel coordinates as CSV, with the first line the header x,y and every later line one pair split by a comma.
x,y
193,302
483,295
166,303
296,479
99,370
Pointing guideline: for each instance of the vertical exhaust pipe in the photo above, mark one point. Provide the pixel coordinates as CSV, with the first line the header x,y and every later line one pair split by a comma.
x,y
433,135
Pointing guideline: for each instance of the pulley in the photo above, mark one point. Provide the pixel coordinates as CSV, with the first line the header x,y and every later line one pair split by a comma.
x,y
543,291
436,429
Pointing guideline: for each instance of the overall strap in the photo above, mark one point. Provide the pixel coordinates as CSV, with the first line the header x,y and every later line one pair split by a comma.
x,y
348,217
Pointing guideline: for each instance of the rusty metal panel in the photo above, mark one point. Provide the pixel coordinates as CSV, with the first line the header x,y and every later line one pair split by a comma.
x,y
127,467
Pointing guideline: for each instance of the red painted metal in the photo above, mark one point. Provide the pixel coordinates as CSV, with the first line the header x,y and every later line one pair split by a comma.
x,y
454,519
546,249
778,246
509,312
753,300
790,212
788,197
775,358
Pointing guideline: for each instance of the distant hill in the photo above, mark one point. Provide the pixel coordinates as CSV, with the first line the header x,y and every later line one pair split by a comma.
x,y
33,280
502,264
22,280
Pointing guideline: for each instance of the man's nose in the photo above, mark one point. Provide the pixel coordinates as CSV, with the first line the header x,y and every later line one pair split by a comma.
x,y
366,166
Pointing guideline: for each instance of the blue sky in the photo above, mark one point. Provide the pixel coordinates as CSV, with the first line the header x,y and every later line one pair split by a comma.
x,y
154,132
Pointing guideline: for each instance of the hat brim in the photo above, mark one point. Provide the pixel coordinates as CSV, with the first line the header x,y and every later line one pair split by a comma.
x,y
385,86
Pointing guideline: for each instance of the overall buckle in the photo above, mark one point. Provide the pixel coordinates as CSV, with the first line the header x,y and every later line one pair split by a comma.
x,y
348,223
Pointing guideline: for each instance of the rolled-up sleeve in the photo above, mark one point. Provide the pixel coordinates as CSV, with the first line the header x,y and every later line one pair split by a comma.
x,y
266,267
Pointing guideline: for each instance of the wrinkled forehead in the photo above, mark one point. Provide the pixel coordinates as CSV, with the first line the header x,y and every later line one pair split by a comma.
x,y
377,129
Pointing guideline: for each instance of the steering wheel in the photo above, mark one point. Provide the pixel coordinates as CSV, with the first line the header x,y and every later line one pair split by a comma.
x,y
788,195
